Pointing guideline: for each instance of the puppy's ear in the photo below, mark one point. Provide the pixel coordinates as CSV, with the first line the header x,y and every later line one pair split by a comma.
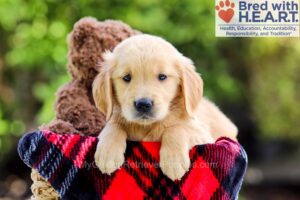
x,y
102,87
191,85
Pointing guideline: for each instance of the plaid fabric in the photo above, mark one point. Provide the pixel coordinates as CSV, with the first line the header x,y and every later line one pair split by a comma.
x,y
66,161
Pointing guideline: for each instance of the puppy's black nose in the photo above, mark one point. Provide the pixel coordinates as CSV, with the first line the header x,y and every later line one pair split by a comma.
x,y
143,105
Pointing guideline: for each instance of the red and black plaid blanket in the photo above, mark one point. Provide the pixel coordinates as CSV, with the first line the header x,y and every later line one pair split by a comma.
x,y
66,161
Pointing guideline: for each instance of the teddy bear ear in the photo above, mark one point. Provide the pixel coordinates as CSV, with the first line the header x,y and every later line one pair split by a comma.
x,y
87,42
84,49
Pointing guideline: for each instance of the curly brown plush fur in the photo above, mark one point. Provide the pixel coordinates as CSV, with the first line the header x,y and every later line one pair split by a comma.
x,y
74,106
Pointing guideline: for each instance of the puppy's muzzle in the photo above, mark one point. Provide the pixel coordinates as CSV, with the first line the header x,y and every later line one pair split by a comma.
x,y
143,105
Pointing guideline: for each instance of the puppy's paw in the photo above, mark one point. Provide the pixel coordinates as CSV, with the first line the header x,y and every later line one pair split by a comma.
x,y
174,164
109,157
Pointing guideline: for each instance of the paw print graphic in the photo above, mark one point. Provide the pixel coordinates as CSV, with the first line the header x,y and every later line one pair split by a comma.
x,y
225,10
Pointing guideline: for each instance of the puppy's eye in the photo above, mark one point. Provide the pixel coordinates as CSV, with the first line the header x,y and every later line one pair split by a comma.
x,y
127,78
162,77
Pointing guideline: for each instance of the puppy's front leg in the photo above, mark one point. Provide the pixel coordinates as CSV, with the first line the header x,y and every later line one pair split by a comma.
x,y
109,155
174,151
174,154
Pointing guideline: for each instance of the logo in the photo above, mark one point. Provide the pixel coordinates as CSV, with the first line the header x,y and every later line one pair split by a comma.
x,y
257,18
225,10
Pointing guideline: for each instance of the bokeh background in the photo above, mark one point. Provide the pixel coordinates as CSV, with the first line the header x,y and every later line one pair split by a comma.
x,y
255,81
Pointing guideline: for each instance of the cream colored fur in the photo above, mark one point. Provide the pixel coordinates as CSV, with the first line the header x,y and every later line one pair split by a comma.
x,y
181,119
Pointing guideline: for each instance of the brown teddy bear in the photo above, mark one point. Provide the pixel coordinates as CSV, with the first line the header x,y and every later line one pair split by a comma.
x,y
74,107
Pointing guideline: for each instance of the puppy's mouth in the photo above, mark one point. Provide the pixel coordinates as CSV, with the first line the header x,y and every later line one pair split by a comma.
x,y
144,118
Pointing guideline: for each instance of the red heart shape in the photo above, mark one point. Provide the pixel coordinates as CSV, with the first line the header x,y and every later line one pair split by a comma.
x,y
226,15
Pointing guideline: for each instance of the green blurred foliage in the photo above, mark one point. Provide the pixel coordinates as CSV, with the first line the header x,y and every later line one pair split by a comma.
x,y
275,82
262,73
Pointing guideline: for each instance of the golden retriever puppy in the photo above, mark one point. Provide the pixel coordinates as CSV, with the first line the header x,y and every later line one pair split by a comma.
x,y
151,92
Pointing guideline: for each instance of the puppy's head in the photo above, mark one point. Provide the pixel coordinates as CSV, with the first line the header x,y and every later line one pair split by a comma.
x,y
144,75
